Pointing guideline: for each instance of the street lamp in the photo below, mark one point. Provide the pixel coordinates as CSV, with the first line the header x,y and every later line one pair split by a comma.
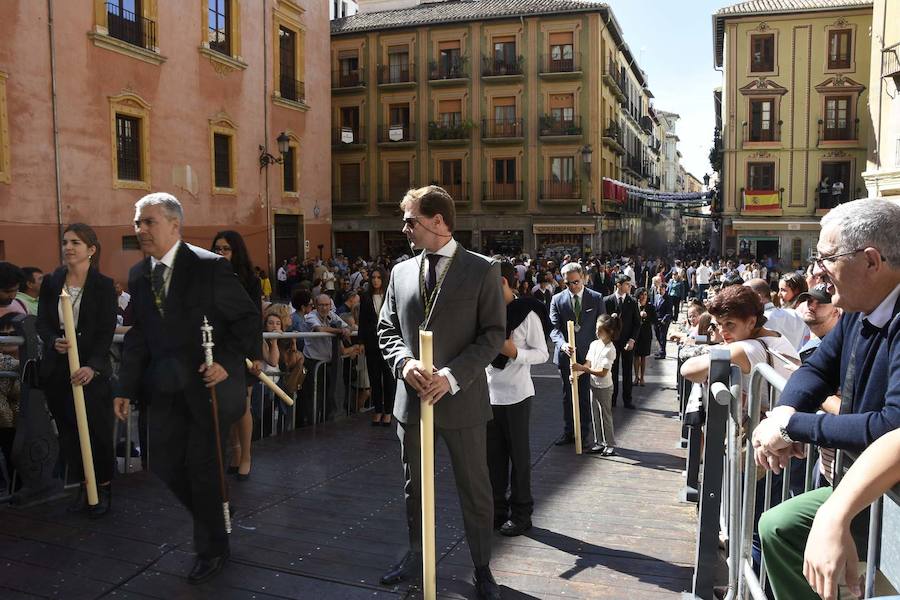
x,y
586,156
284,145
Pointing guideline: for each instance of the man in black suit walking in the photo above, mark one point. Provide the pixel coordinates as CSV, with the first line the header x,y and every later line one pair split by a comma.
x,y
622,303
172,290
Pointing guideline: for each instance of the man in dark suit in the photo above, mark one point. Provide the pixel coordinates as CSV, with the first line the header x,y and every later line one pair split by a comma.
x,y
665,314
622,303
601,281
455,294
172,290
581,305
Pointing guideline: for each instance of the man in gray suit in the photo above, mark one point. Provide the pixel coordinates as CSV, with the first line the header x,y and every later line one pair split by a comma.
x,y
455,294
582,305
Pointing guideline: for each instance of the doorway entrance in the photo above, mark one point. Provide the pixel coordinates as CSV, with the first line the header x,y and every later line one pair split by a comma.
x,y
352,244
288,238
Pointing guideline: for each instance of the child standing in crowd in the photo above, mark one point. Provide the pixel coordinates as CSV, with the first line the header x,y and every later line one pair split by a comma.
x,y
600,358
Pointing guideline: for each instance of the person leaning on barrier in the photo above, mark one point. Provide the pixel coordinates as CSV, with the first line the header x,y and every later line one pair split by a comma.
x,y
783,320
831,555
858,256
11,278
94,307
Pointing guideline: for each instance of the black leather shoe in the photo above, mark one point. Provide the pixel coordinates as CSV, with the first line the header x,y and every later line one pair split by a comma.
x,y
409,565
206,568
79,501
485,586
512,528
565,439
104,502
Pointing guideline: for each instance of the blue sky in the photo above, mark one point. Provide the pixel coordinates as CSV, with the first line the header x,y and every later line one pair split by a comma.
x,y
672,41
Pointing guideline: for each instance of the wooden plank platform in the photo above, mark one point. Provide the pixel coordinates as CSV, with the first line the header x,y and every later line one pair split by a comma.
x,y
322,517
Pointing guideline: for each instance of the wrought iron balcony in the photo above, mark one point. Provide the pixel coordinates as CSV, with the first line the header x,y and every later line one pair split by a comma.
x,y
348,79
291,89
442,69
840,131
890,61
502,128
492,67
397,134
458,191
346,136
549,64
502,192
352,196
553,126
561,190
439,130
393,74
127,26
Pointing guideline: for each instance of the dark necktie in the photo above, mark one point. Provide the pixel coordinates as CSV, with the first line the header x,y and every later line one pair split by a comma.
x,y
431,281
158,281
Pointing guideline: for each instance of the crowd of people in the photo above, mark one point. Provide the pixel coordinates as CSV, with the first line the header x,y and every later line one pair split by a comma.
x,y
842,392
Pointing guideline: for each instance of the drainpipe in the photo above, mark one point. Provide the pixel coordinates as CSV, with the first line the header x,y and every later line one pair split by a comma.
x,y
59,221
270,233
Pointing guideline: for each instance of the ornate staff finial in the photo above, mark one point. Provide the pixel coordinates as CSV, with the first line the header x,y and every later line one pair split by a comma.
x,y
208,343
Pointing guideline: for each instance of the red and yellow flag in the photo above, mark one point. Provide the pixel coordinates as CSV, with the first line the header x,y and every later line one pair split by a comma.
x,y
754,200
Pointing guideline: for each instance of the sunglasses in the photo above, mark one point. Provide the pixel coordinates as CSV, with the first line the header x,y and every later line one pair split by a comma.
x,y
411,222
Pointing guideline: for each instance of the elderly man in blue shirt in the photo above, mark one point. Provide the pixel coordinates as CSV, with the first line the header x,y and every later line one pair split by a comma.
x,y
858,256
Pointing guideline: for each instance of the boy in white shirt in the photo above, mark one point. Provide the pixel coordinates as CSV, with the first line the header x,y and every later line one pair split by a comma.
x,y
511,390
599,360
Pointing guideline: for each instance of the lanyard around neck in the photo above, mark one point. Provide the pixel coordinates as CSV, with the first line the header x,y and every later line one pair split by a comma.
x,y
427,298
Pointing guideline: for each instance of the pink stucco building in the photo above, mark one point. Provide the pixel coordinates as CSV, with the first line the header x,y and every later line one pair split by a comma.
x,y
146,95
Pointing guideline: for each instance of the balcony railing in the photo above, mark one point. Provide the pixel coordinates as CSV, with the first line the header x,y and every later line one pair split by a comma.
x,y
126,26
291,89
502,128
348,79
554,126
826,199
442,69
549,64
397,74
396,134
633,164
348,135
438,130
502,192
849,131
561,190
612,75
839,61
492,67
890,61
458,191
350,196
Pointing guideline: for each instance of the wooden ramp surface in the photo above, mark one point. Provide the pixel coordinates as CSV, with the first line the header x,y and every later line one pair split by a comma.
x,y
322,518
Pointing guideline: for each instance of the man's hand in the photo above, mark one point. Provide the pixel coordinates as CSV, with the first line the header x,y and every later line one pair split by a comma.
x,y
83,376
416,376
436,389
831,556
121,407
61,345
568,349
509,349
832,405
213,374
629,345
770,449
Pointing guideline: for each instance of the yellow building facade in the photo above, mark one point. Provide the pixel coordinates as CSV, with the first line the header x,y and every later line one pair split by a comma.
x,y
883,173
518,115
795,125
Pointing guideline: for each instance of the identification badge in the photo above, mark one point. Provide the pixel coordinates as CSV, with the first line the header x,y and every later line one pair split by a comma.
x,y
577,328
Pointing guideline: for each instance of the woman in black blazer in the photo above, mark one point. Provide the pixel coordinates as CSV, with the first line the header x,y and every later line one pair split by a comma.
x,y
94,304
380,376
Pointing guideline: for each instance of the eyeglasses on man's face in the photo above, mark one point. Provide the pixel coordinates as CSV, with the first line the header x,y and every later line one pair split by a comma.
x,y
820,259
573,282
410,222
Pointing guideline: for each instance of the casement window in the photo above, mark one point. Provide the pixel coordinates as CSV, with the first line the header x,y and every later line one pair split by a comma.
x,y
839,48
762,53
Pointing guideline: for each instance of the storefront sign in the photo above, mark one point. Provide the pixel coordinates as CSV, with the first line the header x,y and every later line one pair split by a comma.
x,y
565,228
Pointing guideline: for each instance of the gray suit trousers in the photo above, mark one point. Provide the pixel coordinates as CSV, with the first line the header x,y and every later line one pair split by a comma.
x,y
468,455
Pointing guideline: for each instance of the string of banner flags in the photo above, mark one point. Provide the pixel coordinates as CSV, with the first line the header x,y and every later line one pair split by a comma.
x,y
620,191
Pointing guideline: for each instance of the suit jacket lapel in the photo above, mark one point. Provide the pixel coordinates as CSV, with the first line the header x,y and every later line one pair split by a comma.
x,y
184,264
454,278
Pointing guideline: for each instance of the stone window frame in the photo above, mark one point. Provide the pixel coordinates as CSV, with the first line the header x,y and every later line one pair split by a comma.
x,y
289,16
223,125
840,25
222,63
762,29
130,104
99,34
294,144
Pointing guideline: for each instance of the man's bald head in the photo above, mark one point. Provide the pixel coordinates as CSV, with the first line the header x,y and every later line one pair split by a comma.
x,y
761,288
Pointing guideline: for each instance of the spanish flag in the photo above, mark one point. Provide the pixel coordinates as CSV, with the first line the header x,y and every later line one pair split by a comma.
x,y
754,200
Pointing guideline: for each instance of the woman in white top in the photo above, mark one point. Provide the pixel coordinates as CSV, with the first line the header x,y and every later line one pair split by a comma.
x,y
599,360
738,320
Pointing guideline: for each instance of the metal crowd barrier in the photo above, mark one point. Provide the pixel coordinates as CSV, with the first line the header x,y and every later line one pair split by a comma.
x,y
36,448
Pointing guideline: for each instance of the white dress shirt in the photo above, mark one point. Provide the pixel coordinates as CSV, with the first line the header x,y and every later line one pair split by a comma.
x,y
884,311
446,252
513,383
788,323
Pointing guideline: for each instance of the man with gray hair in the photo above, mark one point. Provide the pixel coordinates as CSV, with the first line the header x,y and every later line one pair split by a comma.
x,y
582,305
858,258
173,290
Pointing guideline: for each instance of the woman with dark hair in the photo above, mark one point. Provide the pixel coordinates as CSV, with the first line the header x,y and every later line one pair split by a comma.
x,y
790,286
381,379
645,335
739,319
94,307
230,246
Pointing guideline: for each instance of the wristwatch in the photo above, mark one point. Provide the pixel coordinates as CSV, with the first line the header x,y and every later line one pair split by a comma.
x,y
784,435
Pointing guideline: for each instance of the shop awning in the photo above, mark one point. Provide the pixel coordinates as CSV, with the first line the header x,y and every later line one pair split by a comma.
x,y
774,224
551,228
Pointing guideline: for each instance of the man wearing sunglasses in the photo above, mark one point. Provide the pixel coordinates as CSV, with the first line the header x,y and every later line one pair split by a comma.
x,y
581,305
455,294
858,258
